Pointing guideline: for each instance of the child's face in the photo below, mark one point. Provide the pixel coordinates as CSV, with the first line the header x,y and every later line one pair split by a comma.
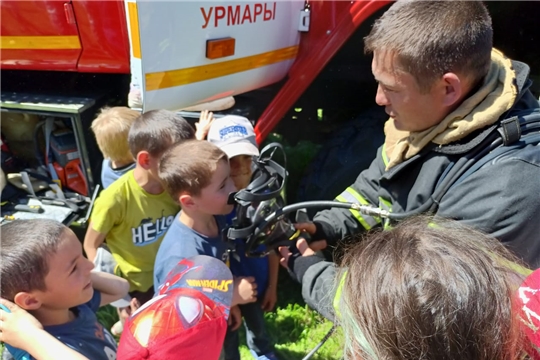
x,y
68,282
213,198
241,171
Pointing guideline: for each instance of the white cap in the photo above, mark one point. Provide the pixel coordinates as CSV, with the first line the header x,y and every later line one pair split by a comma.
x,y
234,135
104,262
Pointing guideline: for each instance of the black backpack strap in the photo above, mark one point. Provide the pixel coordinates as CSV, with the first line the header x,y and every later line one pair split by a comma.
x,y
510,130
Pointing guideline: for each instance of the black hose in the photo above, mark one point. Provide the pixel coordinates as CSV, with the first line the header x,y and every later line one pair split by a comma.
x,y
301,205
461,166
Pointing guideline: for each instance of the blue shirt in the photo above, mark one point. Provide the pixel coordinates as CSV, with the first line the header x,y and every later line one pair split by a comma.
x,y
85,334
182,242
110,175
242,265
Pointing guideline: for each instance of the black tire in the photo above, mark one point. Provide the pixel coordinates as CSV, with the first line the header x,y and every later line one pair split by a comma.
x,y
350,150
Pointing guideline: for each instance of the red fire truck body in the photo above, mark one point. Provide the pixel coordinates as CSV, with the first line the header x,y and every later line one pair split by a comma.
x,y
181,53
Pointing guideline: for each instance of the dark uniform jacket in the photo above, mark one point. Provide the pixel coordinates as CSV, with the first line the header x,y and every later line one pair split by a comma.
x,y
500,197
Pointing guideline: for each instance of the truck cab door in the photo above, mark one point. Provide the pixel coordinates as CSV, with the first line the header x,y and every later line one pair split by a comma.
x,y
186,52
38,35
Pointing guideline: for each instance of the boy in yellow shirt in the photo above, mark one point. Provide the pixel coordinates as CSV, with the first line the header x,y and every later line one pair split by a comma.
x,y
133,214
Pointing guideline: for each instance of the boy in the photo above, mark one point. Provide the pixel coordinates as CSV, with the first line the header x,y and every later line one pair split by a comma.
x,y
236,137
43,270
196,175
111,128
134,213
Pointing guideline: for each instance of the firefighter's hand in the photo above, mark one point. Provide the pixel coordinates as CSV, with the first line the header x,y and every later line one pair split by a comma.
x,y
235,318
245,290
203,125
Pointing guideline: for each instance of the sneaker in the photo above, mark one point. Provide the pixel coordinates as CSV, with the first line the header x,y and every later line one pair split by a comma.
x,y
117,328
267,356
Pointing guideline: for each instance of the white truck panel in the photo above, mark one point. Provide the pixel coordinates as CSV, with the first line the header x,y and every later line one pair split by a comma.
x,y
173,70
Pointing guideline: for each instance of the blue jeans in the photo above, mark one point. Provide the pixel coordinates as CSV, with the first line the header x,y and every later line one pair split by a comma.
x,y
256,336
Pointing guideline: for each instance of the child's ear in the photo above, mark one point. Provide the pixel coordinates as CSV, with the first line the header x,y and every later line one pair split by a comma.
x,y
27,301
186,201
143,159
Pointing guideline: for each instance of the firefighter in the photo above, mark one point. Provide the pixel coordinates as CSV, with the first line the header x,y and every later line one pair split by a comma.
x,y
452,144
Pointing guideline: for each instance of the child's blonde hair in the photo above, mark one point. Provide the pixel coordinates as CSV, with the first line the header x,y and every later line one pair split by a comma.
x,y
111,128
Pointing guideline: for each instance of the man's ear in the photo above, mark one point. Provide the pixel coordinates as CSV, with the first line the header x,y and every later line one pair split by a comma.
x,y
27,301
186,201
143,159
454,89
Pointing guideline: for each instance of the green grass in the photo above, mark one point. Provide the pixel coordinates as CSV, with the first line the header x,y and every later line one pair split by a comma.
x,y
294,327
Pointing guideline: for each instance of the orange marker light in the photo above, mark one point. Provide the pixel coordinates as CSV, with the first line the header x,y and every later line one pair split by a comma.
x,y
220,48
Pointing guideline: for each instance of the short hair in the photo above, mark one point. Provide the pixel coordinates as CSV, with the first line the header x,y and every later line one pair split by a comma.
x,y
156,130
24,255
431,38
111,128
429,289
189,167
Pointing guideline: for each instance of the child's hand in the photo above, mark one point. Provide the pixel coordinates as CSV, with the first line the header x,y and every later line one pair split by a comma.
x,y
16,327
303,248
310,228
203,125
245,290
235,318
126,312
270,299
22,331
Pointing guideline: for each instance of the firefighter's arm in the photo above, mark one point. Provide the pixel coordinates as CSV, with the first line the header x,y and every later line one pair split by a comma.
x,y
110,286
92,240
315,274
335,224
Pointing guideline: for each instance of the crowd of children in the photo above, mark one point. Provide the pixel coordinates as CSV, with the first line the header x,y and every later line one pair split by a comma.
x,y
167,199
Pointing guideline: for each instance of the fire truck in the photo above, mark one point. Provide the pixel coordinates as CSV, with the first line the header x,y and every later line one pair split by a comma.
x,y
295,67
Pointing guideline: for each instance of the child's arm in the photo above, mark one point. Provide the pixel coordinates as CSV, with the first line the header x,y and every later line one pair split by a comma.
x,y
92,240
110,286
203,125
270,295
235,318
21,330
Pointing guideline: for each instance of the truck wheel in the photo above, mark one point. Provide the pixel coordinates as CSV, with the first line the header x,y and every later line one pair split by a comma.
x,y
350,150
